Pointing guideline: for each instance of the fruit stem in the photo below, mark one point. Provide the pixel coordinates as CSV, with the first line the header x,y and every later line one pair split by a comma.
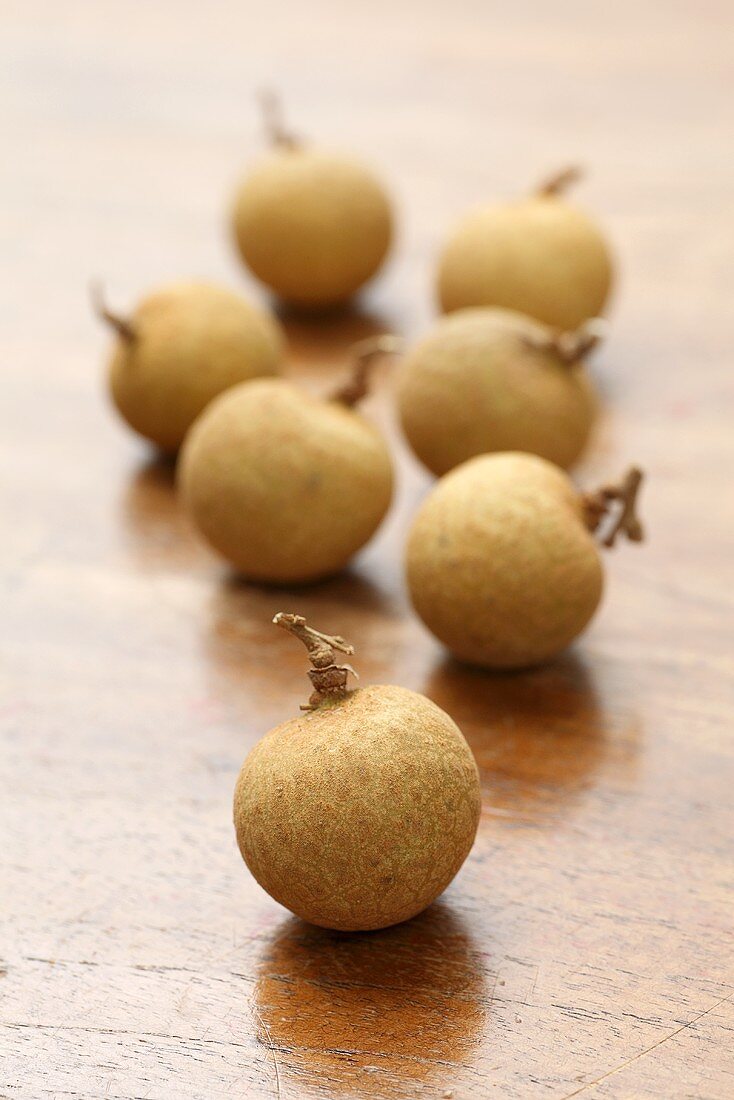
x,y
571,347
364,355
124,328
328,678
598,507
272,111
558,183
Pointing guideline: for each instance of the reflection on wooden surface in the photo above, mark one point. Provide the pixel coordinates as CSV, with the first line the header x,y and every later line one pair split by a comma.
x,y
540,737
399,1008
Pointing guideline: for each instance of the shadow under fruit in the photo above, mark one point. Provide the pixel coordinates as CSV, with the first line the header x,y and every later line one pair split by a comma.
x,y
540,738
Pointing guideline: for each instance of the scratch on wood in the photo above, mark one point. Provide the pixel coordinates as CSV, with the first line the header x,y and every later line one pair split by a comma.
x,y
647,1050
528,1000
271,1047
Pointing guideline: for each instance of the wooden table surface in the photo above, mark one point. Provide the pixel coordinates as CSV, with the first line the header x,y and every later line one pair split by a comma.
x,y
585,947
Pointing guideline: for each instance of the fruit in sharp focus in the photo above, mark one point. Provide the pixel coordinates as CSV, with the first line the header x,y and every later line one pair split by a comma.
x,y
359,813
312,225
185,344
501,563
288,487
538,255
496,380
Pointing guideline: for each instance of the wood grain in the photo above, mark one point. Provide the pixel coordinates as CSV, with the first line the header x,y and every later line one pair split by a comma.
x,y
585,948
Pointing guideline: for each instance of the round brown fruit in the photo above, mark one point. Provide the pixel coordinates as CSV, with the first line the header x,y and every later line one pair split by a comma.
x,y
314,226
287,487
538,255
495,380
359,813
183,346
501,563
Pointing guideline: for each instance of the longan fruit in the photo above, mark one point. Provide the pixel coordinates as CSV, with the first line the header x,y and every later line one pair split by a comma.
x,y
312,225
359,813
538,255
501,563
286,486
185,344
488,379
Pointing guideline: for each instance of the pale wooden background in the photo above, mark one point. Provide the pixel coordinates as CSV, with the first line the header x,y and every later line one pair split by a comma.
x,y
585,949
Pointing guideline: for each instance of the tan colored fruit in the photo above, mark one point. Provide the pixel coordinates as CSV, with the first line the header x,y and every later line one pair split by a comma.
x,y
495,380
358,814
501,563
313,226
184,345
538,255
288,487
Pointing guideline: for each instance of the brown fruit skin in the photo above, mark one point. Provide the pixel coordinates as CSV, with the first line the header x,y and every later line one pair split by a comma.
x,y
475,386
500,565
193,340
312,226
538,255
285,486
359,814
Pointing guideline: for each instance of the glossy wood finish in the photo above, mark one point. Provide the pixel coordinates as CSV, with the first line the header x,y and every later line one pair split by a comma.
x,y
585,948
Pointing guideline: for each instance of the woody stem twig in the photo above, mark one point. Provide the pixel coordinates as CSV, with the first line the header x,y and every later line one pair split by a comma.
x,y
122,326
272,111
560,181
571,347
618,504
328,678
365,355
